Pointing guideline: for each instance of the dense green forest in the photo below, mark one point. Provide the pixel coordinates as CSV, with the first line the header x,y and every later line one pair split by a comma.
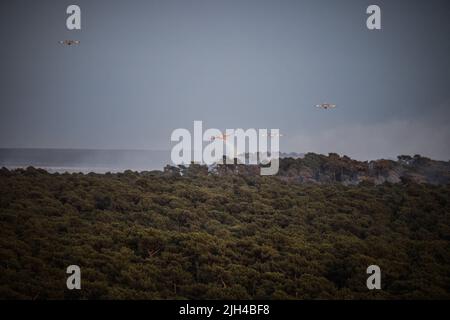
x,y
159,235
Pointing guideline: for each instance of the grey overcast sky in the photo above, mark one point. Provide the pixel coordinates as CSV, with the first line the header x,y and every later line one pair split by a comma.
x,y
145,68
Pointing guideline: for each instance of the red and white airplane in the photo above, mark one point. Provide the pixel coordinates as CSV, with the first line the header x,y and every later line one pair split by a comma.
x,y
220,137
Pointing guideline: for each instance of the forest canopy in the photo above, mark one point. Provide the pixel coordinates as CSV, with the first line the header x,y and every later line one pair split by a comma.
x,y
155,235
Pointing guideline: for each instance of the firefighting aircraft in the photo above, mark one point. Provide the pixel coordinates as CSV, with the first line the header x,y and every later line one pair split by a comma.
x,y
326,106
69,42
271,135
220,137
224,137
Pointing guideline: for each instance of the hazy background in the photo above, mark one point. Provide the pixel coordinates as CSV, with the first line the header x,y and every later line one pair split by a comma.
x,y
145,68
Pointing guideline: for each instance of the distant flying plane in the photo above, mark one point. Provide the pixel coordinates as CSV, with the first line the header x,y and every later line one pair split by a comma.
x,y
69,42
271,135
220,137
326,106
224,137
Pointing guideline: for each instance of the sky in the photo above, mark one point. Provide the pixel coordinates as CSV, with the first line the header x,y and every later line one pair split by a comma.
x,y
146,68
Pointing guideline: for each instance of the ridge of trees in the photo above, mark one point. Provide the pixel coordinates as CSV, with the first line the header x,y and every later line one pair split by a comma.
x,y
155,235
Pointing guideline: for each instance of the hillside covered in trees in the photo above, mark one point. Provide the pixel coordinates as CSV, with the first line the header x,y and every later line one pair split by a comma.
x,y
318,168
162,235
